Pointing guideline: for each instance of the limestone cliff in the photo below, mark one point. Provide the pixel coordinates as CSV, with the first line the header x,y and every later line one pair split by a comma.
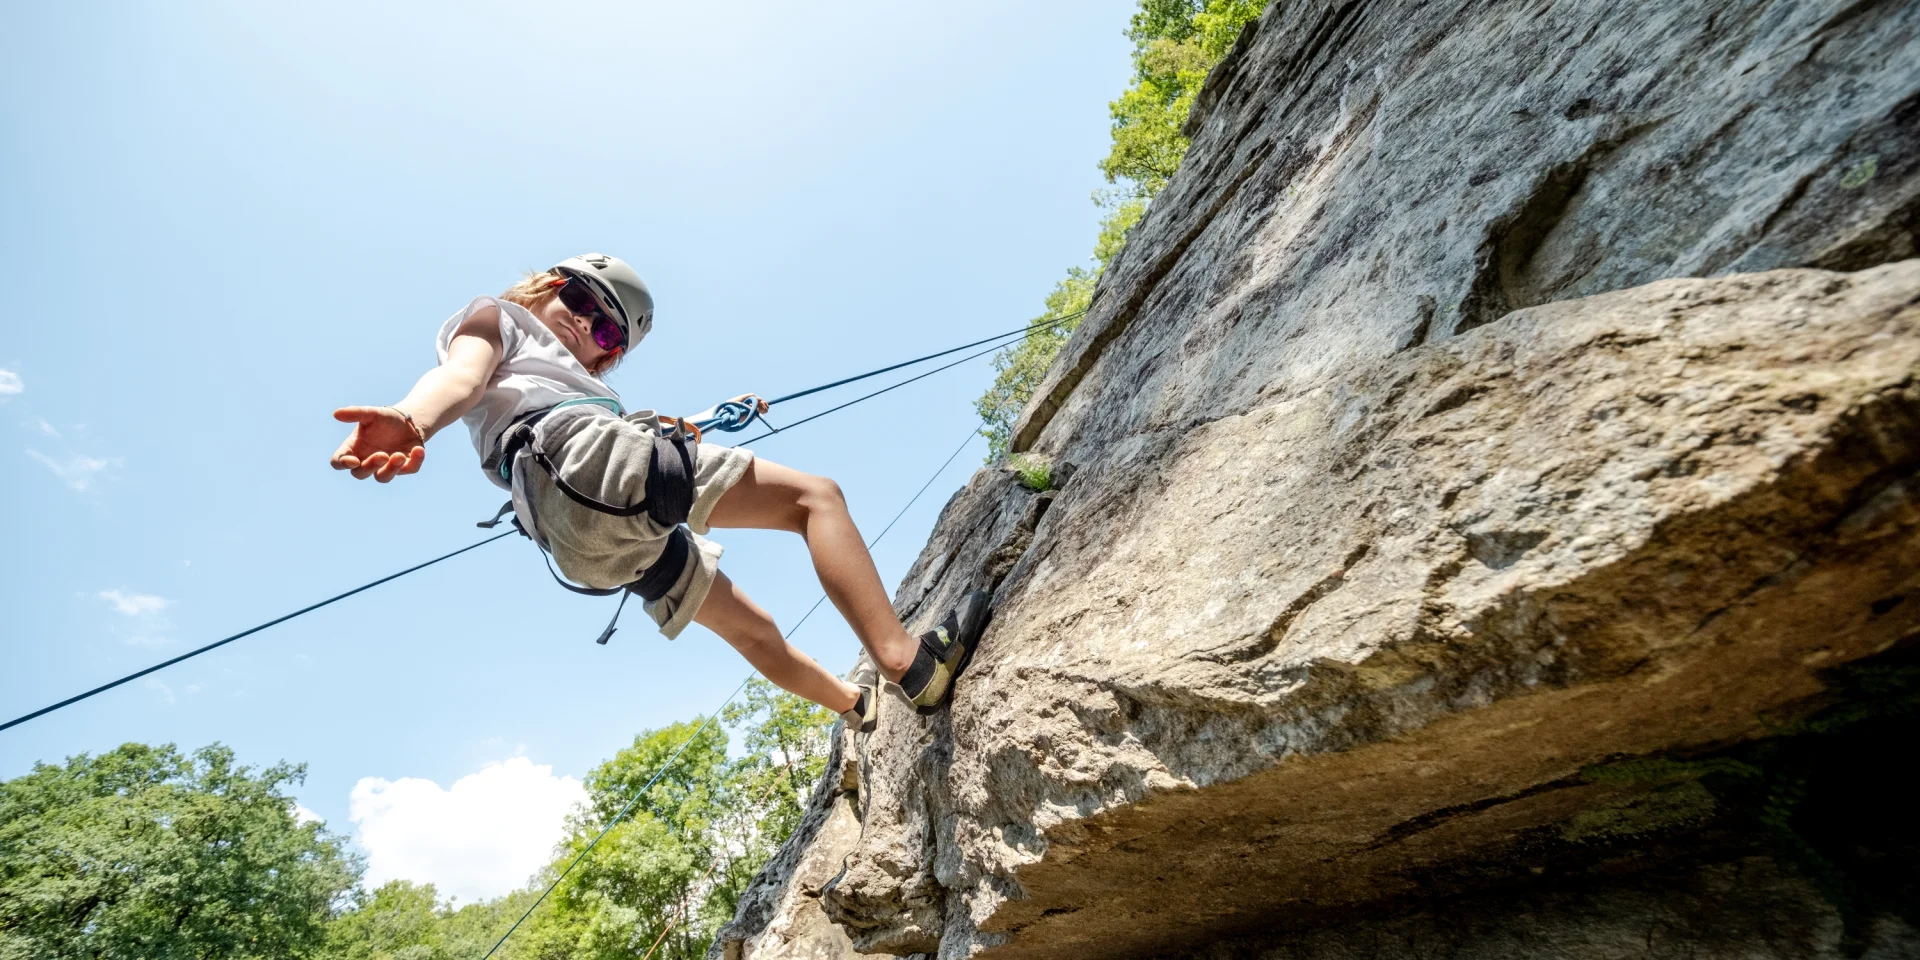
x,y
1500,392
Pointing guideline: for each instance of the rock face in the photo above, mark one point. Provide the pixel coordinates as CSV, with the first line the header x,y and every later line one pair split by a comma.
x,y
1449,430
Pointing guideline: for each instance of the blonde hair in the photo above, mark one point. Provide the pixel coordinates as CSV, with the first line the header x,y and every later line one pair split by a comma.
x,y
534,290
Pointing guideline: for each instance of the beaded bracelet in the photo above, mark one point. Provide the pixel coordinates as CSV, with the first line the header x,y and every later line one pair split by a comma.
x,y
422,434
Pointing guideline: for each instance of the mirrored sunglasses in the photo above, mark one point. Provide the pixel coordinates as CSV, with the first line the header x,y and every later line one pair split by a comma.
x,y
579,297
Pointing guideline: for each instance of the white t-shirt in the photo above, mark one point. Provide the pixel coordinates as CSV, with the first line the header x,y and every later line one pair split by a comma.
x,y
536,371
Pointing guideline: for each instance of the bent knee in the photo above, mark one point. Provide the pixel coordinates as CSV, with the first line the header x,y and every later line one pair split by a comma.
x,y
758,640
821,494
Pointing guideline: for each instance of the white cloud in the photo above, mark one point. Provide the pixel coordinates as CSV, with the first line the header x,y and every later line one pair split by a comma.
x,y
166,692
46,428
484,836
75,470
302,815
10,383
145,626
134,604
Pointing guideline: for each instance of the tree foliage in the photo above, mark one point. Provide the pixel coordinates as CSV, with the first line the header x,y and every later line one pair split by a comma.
x,y
1018,369
673,871
662,880
407,921
1175,44
399,921
145,854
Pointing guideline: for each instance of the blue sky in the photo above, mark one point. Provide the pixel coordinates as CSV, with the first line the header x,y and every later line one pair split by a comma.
x,y
222,221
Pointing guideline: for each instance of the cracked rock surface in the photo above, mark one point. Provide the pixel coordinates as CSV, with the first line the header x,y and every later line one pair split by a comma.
x,y
1498,389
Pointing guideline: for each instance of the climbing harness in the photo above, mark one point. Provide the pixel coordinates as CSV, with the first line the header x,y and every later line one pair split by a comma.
x,y
1023,333
667,501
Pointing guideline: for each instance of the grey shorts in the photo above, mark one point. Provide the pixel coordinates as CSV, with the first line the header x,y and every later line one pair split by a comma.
x,y
607,457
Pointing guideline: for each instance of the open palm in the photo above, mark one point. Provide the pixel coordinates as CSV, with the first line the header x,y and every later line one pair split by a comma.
x,y
383,444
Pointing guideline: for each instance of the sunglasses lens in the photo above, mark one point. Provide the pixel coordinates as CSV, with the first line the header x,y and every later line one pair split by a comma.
x,y
607,332
575,296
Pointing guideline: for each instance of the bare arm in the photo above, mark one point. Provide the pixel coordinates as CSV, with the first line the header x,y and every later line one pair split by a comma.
x,y
383,444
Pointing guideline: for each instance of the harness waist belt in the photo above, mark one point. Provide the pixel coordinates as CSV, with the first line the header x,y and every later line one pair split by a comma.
x,y
669,485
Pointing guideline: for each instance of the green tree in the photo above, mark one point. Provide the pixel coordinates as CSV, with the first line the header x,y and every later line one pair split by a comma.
x,y
469,932
673,871
1175,44
786,753
639,882
145,854
1018,369
408,921
399,921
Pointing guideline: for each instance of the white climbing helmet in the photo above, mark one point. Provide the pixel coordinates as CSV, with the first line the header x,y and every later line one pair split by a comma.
x,y
619,285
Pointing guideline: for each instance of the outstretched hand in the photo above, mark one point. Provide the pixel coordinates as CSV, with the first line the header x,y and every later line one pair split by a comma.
x,y
383,444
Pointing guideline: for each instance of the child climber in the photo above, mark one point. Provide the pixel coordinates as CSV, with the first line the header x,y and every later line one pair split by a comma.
x,y
612,494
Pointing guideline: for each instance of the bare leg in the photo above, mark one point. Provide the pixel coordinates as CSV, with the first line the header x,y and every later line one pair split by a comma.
x,y
738,620
772,497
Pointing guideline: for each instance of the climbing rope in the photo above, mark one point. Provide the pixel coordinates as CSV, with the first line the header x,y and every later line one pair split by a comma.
x,y
245,633
771,430
1029,330
735,417
708,719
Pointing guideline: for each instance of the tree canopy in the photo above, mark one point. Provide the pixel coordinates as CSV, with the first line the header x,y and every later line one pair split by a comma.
x,y
145,854
1175,44
662,881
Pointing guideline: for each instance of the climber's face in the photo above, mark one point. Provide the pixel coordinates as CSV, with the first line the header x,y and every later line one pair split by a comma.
x,y
575,332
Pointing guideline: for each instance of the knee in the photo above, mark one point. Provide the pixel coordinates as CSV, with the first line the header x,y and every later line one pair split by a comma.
x,y
819,495
757,641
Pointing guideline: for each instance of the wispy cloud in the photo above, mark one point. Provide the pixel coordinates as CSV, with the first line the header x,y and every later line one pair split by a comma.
x,y
46,428
165,692
145,626
134,604
10,384
481,837
75,470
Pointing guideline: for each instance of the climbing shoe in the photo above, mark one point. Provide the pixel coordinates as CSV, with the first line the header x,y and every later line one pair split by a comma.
x,y
866,711
944,652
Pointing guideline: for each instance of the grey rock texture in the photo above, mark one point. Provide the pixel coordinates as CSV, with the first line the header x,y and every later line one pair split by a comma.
x,y
1367,176
1405,487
